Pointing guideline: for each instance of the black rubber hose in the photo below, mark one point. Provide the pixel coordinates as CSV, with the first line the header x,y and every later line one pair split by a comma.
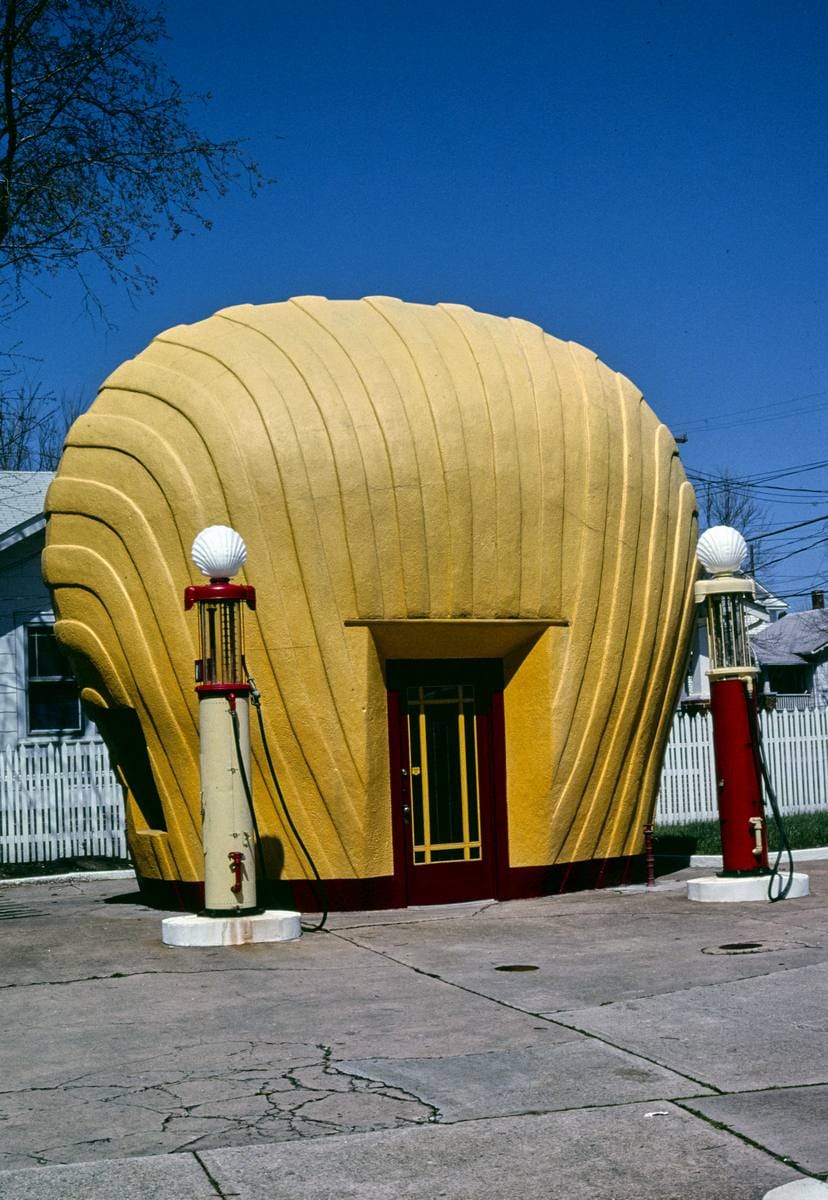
x,y
318,883
784,844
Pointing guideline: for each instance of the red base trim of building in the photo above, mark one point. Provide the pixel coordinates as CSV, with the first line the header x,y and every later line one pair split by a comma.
x,y
384,891
171,894
522,882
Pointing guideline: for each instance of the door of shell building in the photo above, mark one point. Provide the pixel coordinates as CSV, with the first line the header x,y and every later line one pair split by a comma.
x,y
447,754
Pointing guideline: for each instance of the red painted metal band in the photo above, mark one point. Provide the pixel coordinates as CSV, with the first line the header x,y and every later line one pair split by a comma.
x,y
198,594
223,689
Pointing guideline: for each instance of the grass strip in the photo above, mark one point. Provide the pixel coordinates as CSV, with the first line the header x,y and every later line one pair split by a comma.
x,y
804,830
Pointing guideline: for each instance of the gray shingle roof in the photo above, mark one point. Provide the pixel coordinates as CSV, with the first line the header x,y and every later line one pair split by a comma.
x,y
792,640
21,496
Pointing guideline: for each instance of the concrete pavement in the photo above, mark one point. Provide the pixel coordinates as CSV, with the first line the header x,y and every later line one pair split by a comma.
x,y
658,1049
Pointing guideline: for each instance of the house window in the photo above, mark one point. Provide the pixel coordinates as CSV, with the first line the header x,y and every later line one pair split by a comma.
x,y
53,699
789,681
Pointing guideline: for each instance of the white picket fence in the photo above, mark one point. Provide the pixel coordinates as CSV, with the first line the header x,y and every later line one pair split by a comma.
x,y
59,799
796,748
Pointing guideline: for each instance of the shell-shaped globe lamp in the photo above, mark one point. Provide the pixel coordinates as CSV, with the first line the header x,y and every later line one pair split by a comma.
x,y
219,552
721,550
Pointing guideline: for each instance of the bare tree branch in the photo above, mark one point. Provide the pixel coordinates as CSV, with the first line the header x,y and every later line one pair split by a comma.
x,y
22,421
725,499
98,154
97,149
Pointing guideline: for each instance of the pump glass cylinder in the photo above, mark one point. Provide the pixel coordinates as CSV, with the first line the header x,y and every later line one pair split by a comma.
x,y
221,631
726,631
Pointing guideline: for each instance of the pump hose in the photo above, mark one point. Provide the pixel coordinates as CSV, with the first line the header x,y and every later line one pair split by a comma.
x,y
318,883
784,844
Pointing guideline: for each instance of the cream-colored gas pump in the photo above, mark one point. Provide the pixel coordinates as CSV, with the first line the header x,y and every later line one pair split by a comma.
x,y
229,836
228,833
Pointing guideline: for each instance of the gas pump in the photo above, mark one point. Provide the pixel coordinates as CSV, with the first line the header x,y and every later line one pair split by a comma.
x,y
733,703
737,750
230,915
228,833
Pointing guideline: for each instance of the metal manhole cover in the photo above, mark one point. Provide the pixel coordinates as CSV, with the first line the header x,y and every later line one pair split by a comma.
x,y
11,911
517,967
752,947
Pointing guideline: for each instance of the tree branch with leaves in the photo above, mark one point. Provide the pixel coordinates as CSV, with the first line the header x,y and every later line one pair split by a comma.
x,y
97,149
98,152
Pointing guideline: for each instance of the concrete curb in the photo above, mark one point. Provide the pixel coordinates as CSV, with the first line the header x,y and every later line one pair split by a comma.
x,y
68,878
715,860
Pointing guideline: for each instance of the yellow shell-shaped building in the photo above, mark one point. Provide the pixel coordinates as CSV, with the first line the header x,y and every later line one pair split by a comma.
x,y
473,551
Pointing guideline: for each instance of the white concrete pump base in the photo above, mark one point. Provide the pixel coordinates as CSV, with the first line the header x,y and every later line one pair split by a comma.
x,y
274,925
799,1189
741,889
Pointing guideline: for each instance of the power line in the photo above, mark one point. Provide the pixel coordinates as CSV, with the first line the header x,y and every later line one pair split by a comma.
x,y
766,566
754,490
757,415
772,493
787,528
817,587
763,476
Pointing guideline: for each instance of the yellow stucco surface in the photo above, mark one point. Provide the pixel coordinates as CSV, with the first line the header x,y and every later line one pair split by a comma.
x,y
503,491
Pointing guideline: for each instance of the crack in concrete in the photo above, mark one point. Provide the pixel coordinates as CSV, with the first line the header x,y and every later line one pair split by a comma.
x,y
775,1087
540,1017
247,1045
299,1124
391,1091
275,1099
296,1119
281,969
722,1126
696,986
242,1093
549,1013
211,1179
405,924
681,1103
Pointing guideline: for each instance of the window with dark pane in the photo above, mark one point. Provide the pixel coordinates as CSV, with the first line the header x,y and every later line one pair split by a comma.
x,y
444,788
53,699
443,764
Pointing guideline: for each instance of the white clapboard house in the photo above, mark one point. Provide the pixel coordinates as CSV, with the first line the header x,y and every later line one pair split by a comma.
x,y
58,795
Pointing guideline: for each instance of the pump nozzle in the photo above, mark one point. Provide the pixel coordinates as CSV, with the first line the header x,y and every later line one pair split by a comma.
x,y
255,694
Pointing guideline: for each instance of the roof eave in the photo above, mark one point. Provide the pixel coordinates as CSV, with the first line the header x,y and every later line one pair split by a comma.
x,y
19,533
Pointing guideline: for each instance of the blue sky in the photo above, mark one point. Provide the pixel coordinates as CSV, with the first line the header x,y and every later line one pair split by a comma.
x,y
646,178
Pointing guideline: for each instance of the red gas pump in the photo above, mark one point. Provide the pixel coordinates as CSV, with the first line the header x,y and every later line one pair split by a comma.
x,y
737,744
732,675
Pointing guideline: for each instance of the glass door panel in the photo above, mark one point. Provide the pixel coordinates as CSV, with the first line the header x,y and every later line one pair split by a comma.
x,y
442,740
448,740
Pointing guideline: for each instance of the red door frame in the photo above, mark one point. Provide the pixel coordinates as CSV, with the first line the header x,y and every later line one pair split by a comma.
x,y
452,882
